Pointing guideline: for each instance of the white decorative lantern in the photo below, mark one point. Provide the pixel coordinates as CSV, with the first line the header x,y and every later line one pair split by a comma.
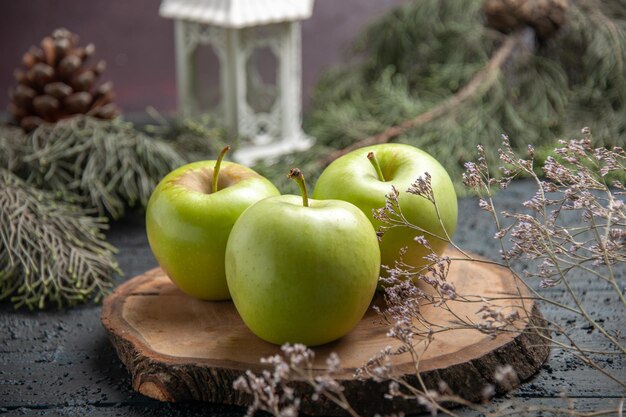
x,y
235,29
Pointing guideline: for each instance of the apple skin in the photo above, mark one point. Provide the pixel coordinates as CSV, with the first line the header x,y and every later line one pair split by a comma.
x,y
302,274
352,178
188,226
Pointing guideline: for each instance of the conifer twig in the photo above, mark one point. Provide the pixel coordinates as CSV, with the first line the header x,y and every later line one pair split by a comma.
x,y
109,163
480,83
51,251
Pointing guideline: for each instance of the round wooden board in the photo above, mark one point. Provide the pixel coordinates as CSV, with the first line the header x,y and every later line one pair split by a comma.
x,y
177,348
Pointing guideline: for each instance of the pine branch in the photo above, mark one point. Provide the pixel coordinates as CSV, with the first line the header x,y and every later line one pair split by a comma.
x,y
50,251
477,86
196,138
420,54
14,146
109,162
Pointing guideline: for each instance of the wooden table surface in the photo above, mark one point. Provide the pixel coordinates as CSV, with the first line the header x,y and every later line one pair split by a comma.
x,y
60,363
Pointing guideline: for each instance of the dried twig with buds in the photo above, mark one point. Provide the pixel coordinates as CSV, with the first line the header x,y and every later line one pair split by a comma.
x,y
575,222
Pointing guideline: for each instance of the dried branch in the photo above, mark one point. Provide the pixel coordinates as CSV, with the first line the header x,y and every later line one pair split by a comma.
x,y
478,85
272,391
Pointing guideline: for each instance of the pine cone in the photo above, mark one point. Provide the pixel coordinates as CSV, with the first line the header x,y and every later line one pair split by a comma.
x,y
56,84
545,16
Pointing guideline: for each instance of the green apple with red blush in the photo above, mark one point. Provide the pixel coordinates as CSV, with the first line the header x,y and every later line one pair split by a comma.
x,y
302,270
189,218
365,176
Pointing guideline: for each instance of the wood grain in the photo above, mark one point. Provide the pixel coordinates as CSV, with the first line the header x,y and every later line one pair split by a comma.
x,y
178,348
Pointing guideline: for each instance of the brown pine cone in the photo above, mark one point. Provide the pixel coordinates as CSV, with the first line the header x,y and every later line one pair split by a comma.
x,y
55,83
545,16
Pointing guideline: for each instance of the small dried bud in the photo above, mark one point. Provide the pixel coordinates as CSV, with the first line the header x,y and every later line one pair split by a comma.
x,y
488,392
484,205
333,363
423,187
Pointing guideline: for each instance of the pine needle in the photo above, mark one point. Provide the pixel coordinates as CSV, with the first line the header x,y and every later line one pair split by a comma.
x,y
51,252
197,138
424,52
108,162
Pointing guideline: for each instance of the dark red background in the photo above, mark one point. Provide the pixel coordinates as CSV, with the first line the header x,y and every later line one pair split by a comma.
x,y
138,44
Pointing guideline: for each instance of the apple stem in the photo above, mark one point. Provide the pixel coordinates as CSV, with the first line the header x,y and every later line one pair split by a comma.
x,y
296,175
376,165
216,168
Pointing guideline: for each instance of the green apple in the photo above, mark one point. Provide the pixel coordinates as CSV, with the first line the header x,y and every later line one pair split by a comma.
x,y
356,178
300,270
190,215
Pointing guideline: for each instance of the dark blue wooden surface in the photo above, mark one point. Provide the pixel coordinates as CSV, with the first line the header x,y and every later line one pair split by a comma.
x,y
60,363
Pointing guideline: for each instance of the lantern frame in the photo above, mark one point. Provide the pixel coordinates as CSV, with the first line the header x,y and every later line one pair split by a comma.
x,y
270,132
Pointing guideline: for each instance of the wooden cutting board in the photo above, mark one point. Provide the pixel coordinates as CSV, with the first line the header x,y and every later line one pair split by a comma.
x,y
177,348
